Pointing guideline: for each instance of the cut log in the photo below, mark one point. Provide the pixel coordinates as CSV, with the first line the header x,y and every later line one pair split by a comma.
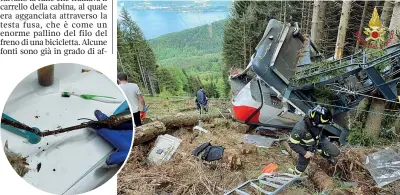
x,y
314,172
167,124
187,109
178,121
148,132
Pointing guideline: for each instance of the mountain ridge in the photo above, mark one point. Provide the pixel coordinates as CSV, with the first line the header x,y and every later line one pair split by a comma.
x,y
191,48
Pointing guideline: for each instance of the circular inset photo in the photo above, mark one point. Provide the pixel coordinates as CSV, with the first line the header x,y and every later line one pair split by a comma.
x,y
66,129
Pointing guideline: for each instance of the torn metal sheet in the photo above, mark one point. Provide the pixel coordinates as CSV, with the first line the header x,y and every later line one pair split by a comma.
x,y
384,166
259,141
164,148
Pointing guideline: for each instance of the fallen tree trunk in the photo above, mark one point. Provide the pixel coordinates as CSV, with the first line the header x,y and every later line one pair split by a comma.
x,y
166,124
314,172
178,121
148,132
187,109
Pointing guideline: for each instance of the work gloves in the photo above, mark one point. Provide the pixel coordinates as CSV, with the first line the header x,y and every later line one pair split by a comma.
x,y
119,139
145,108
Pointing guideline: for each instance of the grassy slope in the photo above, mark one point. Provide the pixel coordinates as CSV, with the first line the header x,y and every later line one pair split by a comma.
x,y
198,50
206,39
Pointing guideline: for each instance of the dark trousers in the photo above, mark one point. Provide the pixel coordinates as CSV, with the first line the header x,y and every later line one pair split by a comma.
x,y
328,149
203,107
136,119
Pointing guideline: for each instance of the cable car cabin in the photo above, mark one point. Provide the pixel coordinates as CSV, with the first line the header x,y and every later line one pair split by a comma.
x,y
287,76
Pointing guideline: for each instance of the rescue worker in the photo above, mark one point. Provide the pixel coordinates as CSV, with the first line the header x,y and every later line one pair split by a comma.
x,y
306,138
202,99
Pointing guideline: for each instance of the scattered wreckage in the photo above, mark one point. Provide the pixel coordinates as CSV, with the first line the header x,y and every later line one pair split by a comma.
x,y
287,74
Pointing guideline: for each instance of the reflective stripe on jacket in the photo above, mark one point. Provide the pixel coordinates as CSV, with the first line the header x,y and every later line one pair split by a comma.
x,y
301,140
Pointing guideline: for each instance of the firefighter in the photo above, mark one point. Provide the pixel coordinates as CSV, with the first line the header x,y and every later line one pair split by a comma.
x,y
306,138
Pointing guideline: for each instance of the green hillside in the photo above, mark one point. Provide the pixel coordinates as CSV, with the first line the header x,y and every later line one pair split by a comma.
x,y
197,51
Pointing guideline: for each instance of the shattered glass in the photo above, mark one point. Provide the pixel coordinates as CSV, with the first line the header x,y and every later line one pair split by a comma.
x,y
384,166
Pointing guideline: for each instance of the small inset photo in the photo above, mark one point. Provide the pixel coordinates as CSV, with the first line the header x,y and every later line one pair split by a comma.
x,y
66,129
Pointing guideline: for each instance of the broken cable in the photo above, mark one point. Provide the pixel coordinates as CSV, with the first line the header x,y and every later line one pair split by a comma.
x,y
109,122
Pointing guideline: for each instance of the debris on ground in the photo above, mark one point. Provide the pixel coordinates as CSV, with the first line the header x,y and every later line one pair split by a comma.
x,y
188,174
200,149
271,167
164,148
200,129
259,141
272,132
384,166
209,152
185,173
213,153
266,184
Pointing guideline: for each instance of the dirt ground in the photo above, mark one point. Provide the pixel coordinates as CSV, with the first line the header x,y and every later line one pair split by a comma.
x,y
186,174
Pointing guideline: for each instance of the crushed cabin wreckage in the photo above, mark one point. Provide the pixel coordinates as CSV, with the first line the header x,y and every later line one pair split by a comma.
x,y
277,87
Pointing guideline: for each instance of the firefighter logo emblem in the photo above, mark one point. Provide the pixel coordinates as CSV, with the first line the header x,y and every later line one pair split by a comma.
x,y
375,35
375,30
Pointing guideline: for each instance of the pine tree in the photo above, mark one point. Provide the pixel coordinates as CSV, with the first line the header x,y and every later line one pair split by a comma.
x,y
244,30
386,13
167,81
395,22
136,56
318,18
344,21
